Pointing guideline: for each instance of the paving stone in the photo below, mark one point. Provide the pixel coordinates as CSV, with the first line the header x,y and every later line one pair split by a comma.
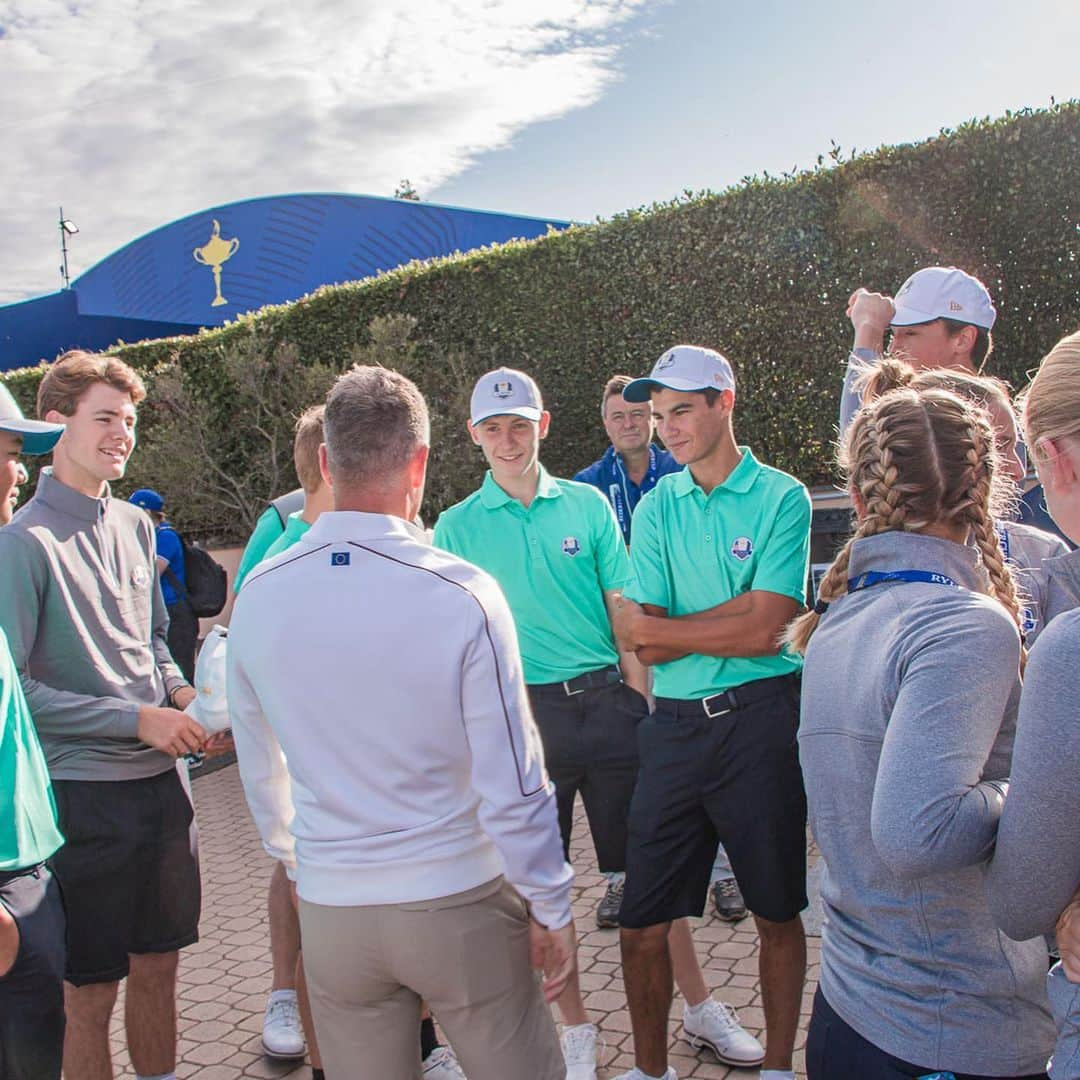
x,y
225,977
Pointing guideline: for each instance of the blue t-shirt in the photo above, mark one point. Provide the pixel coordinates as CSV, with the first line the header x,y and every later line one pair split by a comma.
x,y
169,547
609,475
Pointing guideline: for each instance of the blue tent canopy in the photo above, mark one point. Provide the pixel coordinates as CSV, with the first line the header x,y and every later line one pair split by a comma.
x,y
209,267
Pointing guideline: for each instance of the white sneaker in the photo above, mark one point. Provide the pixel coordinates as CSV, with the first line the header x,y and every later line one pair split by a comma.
x,y
636,1074
717,1027
442,1064
282,1036
579,1051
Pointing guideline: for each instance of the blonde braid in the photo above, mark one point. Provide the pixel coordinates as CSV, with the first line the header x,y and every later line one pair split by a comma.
x,y
977,509
865,440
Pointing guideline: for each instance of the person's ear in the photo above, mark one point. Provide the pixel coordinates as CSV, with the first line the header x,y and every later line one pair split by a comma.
x,y
472,432
418,466
54,416
545,423
324,466
964,341
859,503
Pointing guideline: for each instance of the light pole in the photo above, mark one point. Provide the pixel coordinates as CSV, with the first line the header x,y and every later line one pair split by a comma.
x,y
67,228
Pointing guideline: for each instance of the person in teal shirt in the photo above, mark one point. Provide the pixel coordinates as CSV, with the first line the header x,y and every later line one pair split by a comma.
x,y
720,554
555,548
32,922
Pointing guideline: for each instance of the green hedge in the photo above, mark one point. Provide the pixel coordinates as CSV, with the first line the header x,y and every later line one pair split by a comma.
x,y
761,271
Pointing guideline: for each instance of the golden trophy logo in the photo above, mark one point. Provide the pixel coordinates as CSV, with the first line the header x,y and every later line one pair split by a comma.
x,y
214,253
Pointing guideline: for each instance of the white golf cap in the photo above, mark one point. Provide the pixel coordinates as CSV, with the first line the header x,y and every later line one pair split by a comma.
x,y
38,437
943,292
505,392
684,367
210,706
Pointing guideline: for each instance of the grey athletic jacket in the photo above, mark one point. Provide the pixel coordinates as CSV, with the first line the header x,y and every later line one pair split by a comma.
x,y
83,612
902,741
1036,867
1062,576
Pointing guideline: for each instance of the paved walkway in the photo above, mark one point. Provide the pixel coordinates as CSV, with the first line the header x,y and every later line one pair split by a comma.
x,y
225,977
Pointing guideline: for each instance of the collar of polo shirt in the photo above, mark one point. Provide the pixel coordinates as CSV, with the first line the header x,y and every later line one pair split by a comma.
x,y
740,479
493,496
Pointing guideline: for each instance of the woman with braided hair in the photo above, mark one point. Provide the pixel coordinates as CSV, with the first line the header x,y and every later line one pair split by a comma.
x,y
911,655
1027,548
1039,837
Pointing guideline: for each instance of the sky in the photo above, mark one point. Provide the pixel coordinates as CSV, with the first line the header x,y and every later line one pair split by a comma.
x,y
132,113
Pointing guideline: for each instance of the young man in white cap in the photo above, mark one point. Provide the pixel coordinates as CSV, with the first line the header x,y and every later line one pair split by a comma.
x,y
630,468
555,548
940,318
720,556
32,923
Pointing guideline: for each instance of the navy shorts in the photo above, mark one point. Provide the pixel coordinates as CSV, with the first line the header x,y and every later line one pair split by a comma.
x,y
32,992
590,747
129,872
732,777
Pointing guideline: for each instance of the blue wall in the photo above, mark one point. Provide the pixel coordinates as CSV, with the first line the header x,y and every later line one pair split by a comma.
x,y
269,251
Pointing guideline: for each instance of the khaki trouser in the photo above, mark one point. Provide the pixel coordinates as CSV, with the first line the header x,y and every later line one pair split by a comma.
x,y
467,955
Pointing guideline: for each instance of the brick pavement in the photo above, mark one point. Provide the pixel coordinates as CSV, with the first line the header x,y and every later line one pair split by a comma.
x,y
225,977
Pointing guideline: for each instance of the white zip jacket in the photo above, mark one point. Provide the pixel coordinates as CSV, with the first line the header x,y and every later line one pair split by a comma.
x,y
382,726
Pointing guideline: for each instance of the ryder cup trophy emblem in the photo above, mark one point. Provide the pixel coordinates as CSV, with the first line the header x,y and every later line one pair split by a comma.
x,y
214,253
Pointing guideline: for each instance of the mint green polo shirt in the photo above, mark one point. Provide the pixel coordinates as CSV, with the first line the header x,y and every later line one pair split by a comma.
x,y
295,528
267,530
29,833
554,562
691,551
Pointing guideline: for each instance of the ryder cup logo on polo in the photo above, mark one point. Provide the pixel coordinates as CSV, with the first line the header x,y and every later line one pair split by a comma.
x,y
339,558
140,577
742,548
503,389
570,546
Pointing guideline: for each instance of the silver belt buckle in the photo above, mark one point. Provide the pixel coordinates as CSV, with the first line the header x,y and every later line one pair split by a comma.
x,y
568,691
708,712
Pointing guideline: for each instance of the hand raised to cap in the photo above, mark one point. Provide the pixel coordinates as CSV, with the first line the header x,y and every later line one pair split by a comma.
x,y
870,314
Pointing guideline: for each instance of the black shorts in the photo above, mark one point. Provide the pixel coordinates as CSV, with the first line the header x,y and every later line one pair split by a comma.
x,y
735,778
836,1051
129,871
590,746
32,992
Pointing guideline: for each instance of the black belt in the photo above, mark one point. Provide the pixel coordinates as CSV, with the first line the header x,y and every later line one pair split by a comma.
x,y
591,680
7,876
738,697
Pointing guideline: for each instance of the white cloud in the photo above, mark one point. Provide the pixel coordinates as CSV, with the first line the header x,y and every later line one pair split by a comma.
x,y
131,113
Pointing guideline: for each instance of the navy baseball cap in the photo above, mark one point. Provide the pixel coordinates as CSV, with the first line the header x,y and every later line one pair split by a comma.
x,y
148,499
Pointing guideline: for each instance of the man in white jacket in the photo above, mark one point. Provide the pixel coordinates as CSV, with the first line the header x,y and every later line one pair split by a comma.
x,y
390,760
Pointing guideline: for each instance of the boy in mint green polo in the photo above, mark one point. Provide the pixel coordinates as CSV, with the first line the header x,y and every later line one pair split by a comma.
x,y
32,923
720,554
556,549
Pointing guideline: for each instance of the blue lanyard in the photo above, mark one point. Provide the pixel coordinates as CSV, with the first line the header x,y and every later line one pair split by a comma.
x,y
1003,536
880,577
620,492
